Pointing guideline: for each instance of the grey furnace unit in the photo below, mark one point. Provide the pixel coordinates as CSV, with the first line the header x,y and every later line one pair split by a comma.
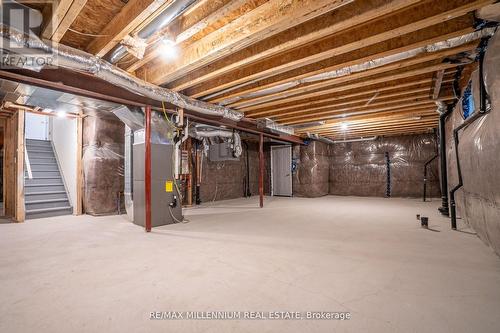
x,y
163,189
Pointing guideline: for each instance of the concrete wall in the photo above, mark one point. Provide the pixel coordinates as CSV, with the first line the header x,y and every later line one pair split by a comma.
x,y
64,138
478,201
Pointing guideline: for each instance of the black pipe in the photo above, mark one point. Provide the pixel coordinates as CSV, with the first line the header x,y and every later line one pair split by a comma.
x,y
425,175
442,153
483,109
388,168
247,181
196,166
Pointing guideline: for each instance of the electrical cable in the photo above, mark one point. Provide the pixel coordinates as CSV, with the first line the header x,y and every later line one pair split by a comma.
x,y
86,34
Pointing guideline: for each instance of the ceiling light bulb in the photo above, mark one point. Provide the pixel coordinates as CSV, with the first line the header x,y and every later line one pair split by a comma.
x,y
344,126
168,48
61,114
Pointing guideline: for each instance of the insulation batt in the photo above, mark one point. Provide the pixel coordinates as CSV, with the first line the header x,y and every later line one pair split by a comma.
x,y
103,168
310,178
359,168
478,201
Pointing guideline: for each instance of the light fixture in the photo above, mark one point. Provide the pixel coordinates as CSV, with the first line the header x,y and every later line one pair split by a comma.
x,y
167,48
61,114
344,126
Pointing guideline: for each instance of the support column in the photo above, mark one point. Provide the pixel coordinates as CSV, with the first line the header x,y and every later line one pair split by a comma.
x,y
20,210
78,209
147,168
261,170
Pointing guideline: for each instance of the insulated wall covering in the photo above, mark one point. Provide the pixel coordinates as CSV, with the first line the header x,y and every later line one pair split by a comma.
x,y
478,201
310,177
360,168
226,179
103,169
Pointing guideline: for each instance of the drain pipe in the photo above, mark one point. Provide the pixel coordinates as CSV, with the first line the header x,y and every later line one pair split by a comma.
x,y
444,210
247,182
483,109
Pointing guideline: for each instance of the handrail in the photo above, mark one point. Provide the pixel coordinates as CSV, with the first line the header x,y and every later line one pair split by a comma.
x,y
27,161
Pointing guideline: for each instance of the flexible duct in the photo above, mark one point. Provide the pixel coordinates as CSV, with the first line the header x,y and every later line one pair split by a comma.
x,y
73,59
200,132
168,15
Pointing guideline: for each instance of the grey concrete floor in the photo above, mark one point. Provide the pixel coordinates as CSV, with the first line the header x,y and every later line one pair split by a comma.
x,y
366,256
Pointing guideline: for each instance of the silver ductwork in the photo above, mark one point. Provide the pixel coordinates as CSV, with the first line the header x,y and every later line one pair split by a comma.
x,y
320,138
73,59
372,138
176,8
266,123
205,131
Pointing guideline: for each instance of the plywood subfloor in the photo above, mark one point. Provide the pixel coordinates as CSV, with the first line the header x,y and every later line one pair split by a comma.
x,y
364,255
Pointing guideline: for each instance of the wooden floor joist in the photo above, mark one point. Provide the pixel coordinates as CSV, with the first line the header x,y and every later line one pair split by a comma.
x,y
122,25
272,17
414,19
371,63
345,17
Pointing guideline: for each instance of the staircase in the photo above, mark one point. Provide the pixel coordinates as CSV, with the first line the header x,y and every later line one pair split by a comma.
x,y
44,194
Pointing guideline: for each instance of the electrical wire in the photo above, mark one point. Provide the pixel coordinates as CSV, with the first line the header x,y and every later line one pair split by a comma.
x,y
86,34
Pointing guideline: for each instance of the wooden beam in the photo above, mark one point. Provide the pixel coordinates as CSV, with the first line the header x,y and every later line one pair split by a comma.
x,y
333,64
385,130
381,124
339,114
65,13
368,101
397,86
350,107
354,76
205,18
367,96
129,18
385,134
345,17
437,84
20,210
430,17
270,18
387,115
359,84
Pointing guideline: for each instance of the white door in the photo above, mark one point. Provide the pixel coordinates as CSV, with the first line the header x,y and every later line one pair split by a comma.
x,y
281,170
36,126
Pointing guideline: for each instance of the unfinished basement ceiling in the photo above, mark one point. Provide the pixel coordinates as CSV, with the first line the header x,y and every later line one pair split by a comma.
x,y
348,68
